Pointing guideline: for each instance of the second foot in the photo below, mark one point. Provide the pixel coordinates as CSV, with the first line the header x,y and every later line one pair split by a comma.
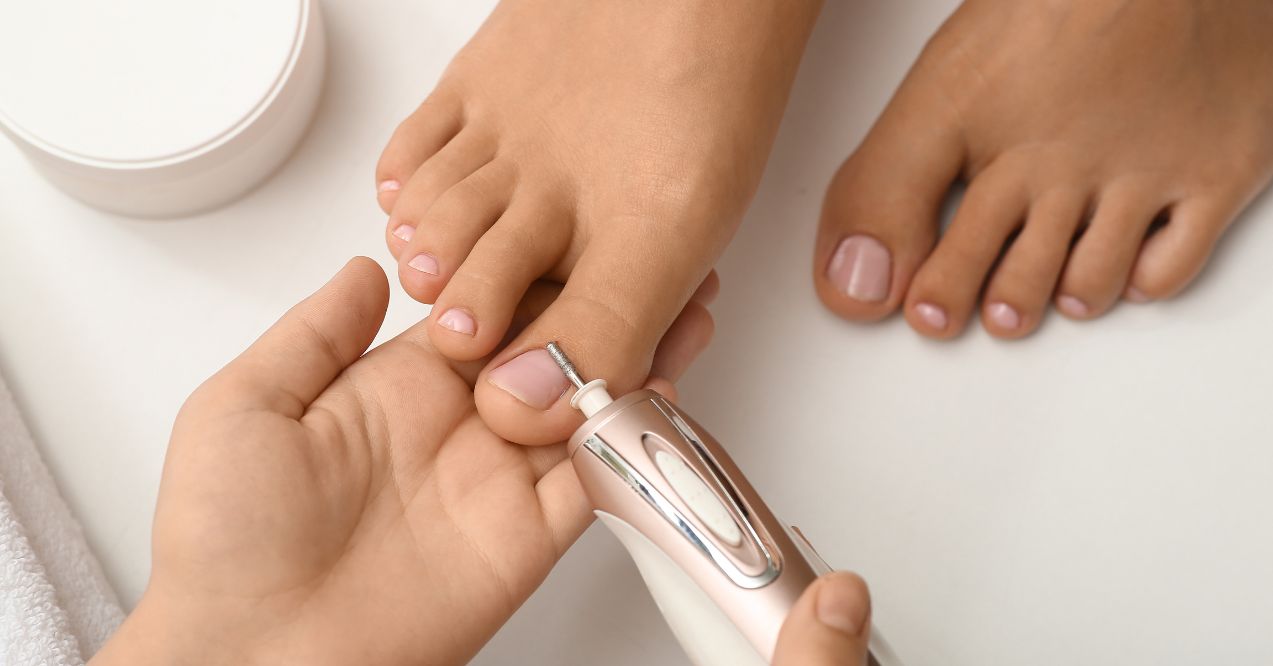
x,y
1106,146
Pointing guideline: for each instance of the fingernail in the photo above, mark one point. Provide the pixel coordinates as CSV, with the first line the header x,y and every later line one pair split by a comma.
x,y
1003,315
932,315
388,186
404,232
1136,296
862,268
425,263
1072,306
457,320
533,378
841,605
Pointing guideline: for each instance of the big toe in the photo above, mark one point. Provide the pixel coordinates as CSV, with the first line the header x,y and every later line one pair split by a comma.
x,y
610,319
881,214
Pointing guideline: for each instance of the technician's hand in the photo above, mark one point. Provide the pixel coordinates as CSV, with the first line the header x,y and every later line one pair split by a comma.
x,y
829,626
322,506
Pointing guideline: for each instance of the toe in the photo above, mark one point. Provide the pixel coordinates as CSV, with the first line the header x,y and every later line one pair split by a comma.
x,y
1101,261
475,309
415,140
469,151
445,234
1172,257
1023,283
880,217
945,289
622,296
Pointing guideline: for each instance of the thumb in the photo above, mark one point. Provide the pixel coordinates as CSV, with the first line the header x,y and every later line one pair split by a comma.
x,y
295,360
829,625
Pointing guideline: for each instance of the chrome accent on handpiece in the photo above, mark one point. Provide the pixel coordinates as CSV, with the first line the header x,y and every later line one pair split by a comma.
x,y
673,516
722,480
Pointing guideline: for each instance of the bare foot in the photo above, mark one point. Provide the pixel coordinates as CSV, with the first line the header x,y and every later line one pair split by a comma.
x,y
1106,146
612,147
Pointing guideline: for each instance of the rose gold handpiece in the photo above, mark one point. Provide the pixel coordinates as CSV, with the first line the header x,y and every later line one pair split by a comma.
x,y
723,570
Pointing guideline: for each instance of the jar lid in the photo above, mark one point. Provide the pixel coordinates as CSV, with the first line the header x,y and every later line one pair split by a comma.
x,y
140,81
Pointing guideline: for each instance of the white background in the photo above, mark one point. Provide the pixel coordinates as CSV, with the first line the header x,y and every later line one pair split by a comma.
x,y
1099,493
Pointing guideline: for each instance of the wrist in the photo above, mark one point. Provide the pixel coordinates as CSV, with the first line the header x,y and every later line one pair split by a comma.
x,y
160,633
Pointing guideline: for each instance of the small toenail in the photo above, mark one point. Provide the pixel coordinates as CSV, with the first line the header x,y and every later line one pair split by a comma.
x,y
861,268
389,186
1004,316
532,378
425,263
932,315
404,232
458,320
1136,296
1072,307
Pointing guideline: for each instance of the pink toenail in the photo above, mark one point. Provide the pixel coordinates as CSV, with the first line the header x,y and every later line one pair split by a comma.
x,y
1136,296
425,263
861,268
458,320
404,232
389,186
1072,306
932,315
533,378
1003,315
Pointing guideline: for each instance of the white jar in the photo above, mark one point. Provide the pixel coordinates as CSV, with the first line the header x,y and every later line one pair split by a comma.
x,y
159,108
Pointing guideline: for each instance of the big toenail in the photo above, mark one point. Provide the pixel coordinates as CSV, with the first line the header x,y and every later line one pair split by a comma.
x,y
1004,316
861,268
458,320
389,186
933,316
425,263
1072,306
404,232
533,378
1136,296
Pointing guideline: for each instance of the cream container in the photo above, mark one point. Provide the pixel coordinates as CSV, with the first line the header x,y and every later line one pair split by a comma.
x,y
159,108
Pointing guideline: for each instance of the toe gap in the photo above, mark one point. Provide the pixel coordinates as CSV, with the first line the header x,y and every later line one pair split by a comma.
x,y
1160,221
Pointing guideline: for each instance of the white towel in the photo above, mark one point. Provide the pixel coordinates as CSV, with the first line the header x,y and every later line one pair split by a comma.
x,y
56,607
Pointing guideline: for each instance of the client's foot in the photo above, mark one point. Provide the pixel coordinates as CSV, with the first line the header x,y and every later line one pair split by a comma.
x,y
611,146
1106,145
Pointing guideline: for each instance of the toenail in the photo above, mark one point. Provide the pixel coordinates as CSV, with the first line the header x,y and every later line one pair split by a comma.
x,y
533,378
1072,306
933,316
389,186
404,232
1004,316
861,268
1136,296
458,320
425,263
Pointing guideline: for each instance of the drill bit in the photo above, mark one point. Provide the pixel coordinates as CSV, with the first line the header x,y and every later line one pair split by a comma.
x,y
566,366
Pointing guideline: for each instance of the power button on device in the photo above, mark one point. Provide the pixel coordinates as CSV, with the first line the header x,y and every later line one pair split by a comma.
x,y
698,497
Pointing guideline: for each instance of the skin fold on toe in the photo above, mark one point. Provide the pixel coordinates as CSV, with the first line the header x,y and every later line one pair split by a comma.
x,y
610,148
1105,145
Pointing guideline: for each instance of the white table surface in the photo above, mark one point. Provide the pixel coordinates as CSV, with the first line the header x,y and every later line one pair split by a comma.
x,y
1099,493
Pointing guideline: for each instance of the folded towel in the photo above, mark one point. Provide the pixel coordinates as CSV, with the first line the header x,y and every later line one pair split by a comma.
x,y
55,604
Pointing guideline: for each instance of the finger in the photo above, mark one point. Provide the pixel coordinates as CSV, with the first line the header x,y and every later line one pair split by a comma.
x,y
708,290
688,336
565,506
300,355
830,624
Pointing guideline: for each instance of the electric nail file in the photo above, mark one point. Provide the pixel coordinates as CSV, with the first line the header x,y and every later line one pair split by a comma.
x,y
722,569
